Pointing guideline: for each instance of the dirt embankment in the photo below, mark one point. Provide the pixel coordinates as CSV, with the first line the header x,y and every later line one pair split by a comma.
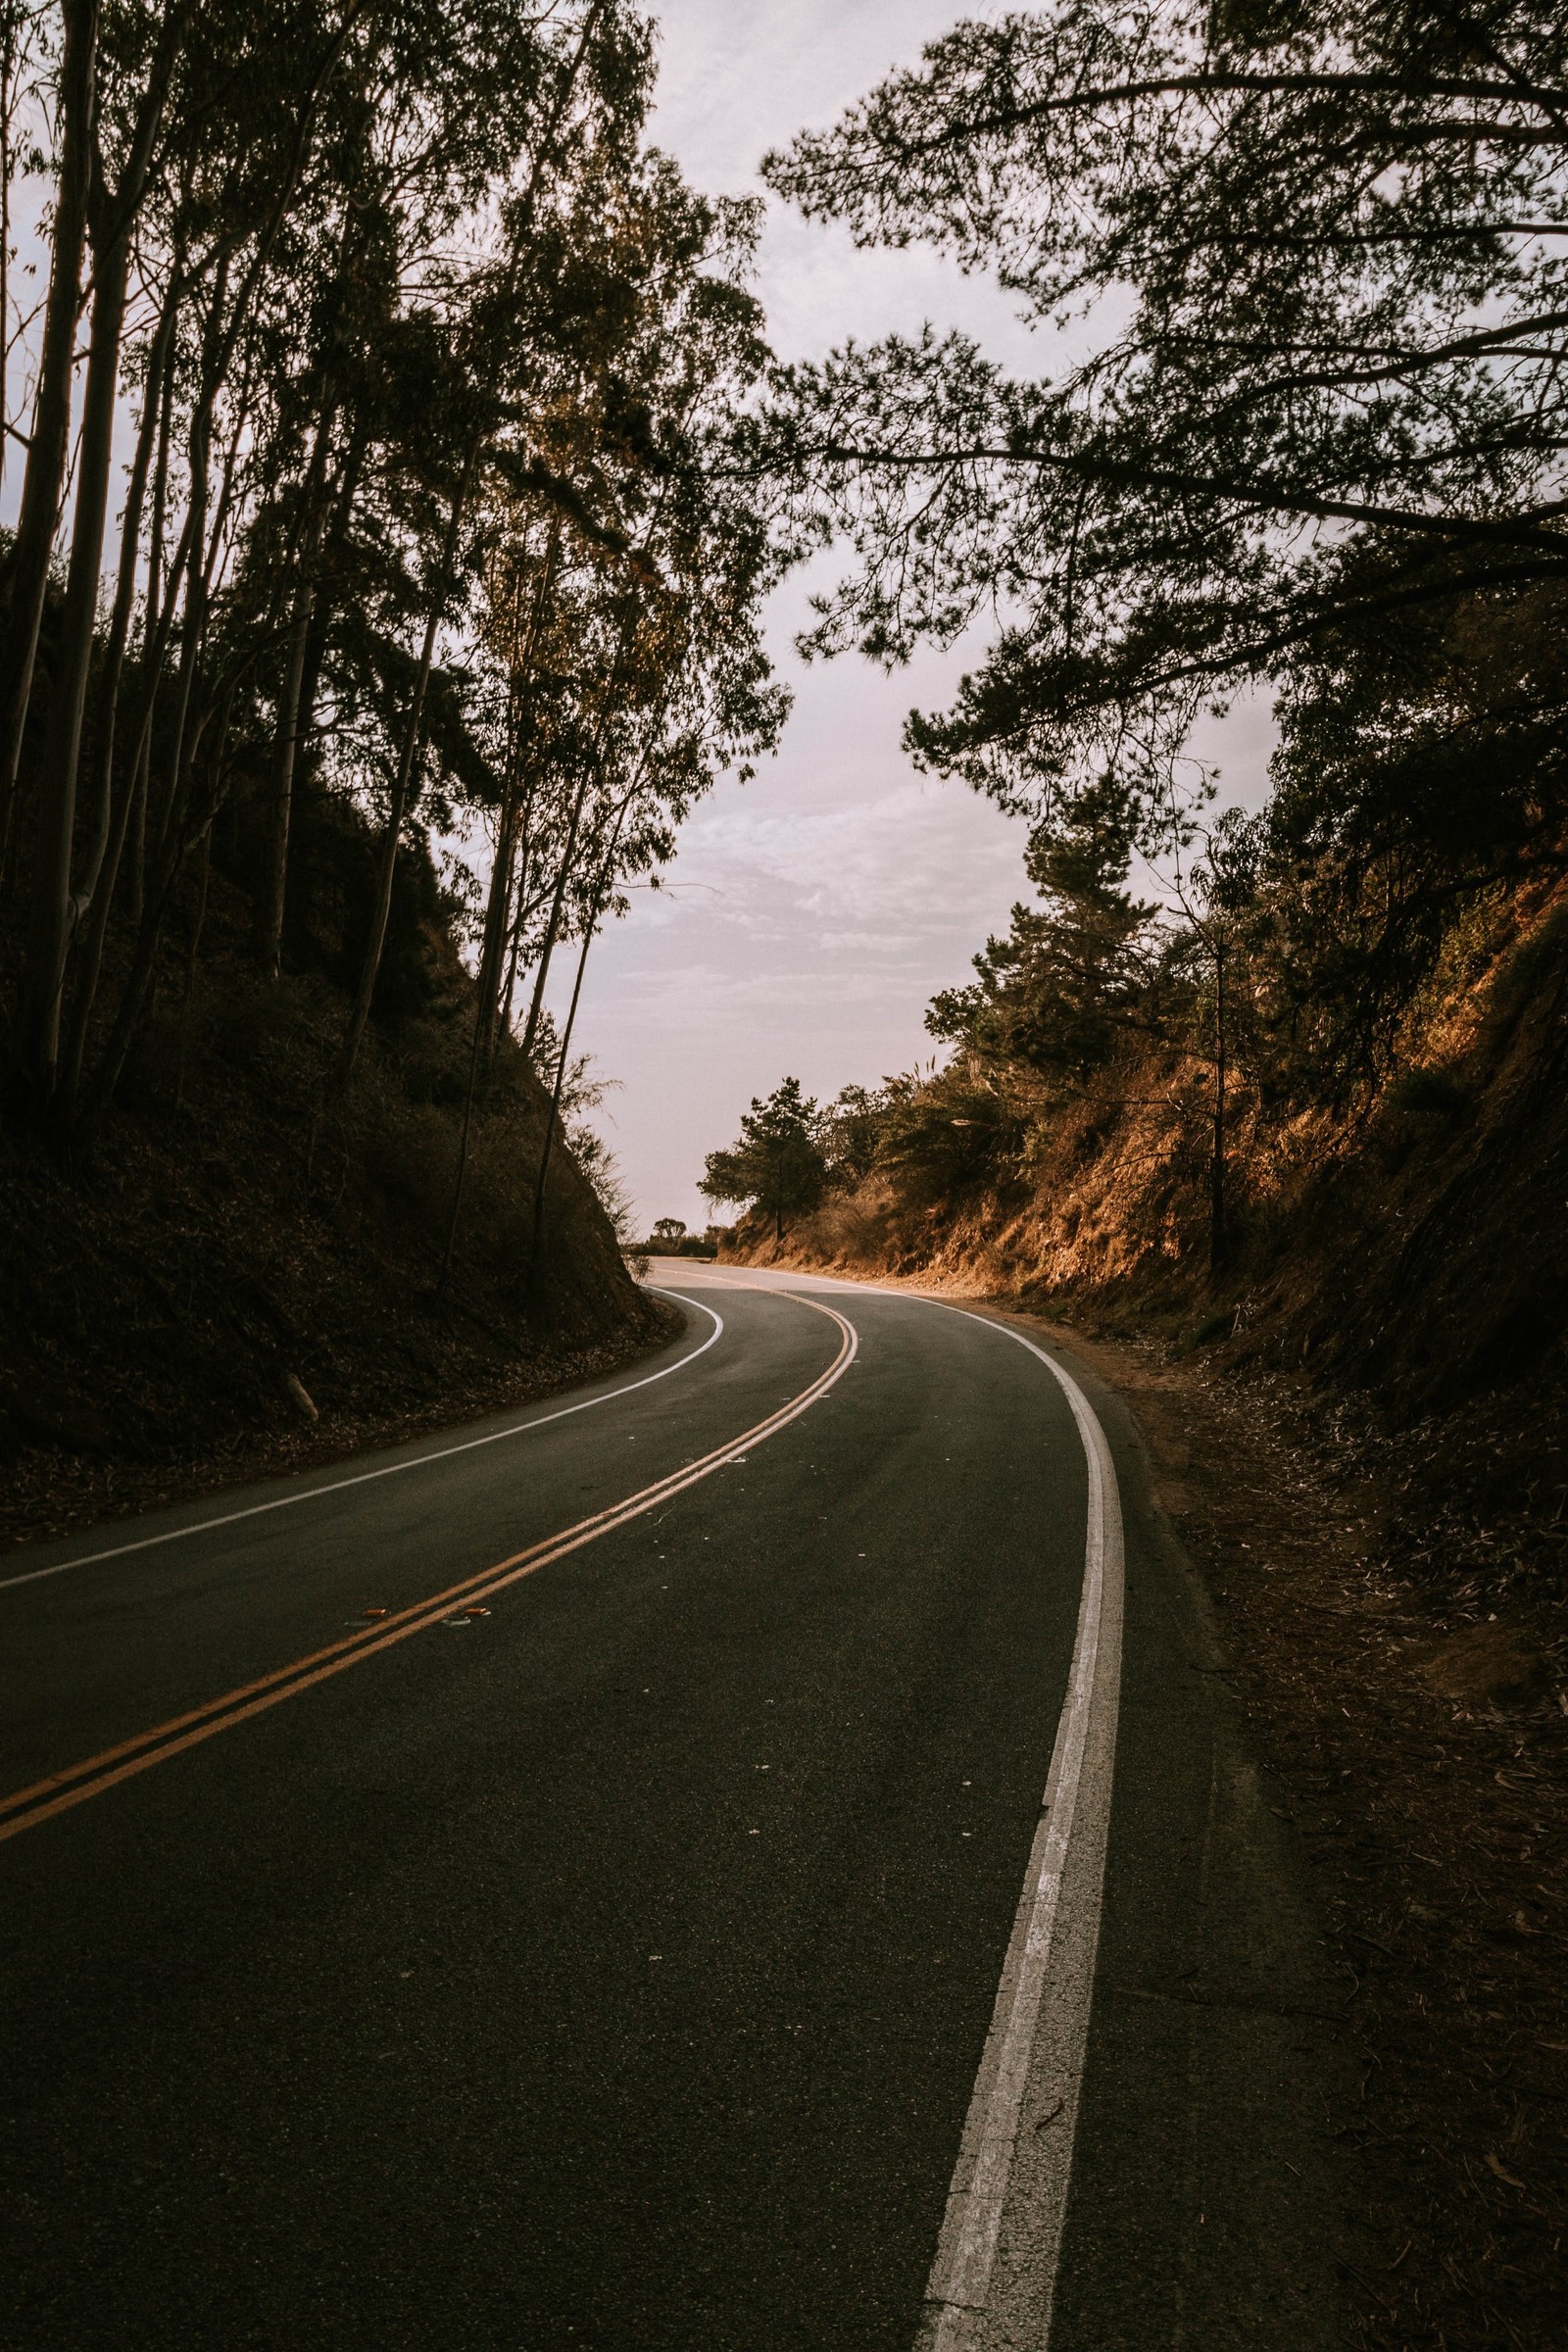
x,y
1411,1258
246,1271
1418,1741
1360,1424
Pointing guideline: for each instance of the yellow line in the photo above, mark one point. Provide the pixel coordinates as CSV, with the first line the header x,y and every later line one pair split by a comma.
x,y
90,1779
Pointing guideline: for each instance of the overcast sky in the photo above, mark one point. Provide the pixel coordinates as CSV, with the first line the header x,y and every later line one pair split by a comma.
x,y
815,910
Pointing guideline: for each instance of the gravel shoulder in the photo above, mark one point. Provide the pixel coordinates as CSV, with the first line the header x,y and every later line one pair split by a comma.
x,y
1416,1744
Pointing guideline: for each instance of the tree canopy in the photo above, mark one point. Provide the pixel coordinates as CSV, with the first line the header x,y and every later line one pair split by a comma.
x,y
431,365
1310,264
775,1167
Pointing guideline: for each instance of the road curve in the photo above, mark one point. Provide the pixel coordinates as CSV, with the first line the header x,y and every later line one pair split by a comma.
x,y
583,1881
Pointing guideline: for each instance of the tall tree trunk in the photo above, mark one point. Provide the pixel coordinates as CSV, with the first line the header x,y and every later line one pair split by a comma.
x,y
512,824
150,625
95,893
498,905
606,873
514,915
141,979
50,930
408,760
333,549
557,902
520,243
44,474
192,623
1217,1235
9,67
486,985
509,994
553,1116
111,673
194,559
269,914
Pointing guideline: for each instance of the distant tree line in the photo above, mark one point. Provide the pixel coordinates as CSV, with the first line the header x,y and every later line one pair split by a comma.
x,y
366,417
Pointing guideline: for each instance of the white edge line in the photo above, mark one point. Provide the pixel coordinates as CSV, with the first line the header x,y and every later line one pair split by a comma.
x,y
480,1587
360,1477
959,2290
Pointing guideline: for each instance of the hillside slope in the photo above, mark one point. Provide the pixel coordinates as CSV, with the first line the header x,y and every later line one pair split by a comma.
x,y
245,1270
1412,1258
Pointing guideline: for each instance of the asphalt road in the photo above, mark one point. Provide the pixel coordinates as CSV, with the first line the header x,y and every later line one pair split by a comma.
x,y
624,1936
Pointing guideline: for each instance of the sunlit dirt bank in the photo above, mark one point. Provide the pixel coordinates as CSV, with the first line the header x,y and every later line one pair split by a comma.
x,y
1357,1423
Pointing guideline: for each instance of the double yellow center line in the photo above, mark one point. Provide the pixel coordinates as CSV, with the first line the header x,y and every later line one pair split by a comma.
x,y
72,1786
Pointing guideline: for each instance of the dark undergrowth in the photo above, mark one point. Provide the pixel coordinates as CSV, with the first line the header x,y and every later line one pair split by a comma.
x,y
243,1266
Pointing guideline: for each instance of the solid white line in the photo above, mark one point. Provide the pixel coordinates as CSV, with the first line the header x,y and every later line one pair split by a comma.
x,y
1038,2037
361,1478
1043,1969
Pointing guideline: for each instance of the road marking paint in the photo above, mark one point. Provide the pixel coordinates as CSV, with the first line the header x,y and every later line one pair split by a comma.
x,y
61,1790
361,1478
1050,1965
1039,2033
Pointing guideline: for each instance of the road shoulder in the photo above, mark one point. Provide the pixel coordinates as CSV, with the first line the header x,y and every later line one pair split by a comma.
x,y
1411,1755
1211,2176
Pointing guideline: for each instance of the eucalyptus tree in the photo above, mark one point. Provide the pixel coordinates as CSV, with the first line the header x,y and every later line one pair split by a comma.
x,y
432,490
626,566
1299,276
143,111
24,43
302,227
240,159
586,110
217,243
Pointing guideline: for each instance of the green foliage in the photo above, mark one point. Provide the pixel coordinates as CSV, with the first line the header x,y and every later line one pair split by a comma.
x,y
1422,772
943,1139
1071,976
776,1167
432,511
1309,432
850,1132
1317,260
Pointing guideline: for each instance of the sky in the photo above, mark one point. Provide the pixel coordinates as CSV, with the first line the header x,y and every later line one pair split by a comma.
x,y
813,911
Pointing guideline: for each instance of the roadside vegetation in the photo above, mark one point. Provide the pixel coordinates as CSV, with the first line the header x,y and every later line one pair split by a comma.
x,y
1292,1076
379,599
1275,1098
